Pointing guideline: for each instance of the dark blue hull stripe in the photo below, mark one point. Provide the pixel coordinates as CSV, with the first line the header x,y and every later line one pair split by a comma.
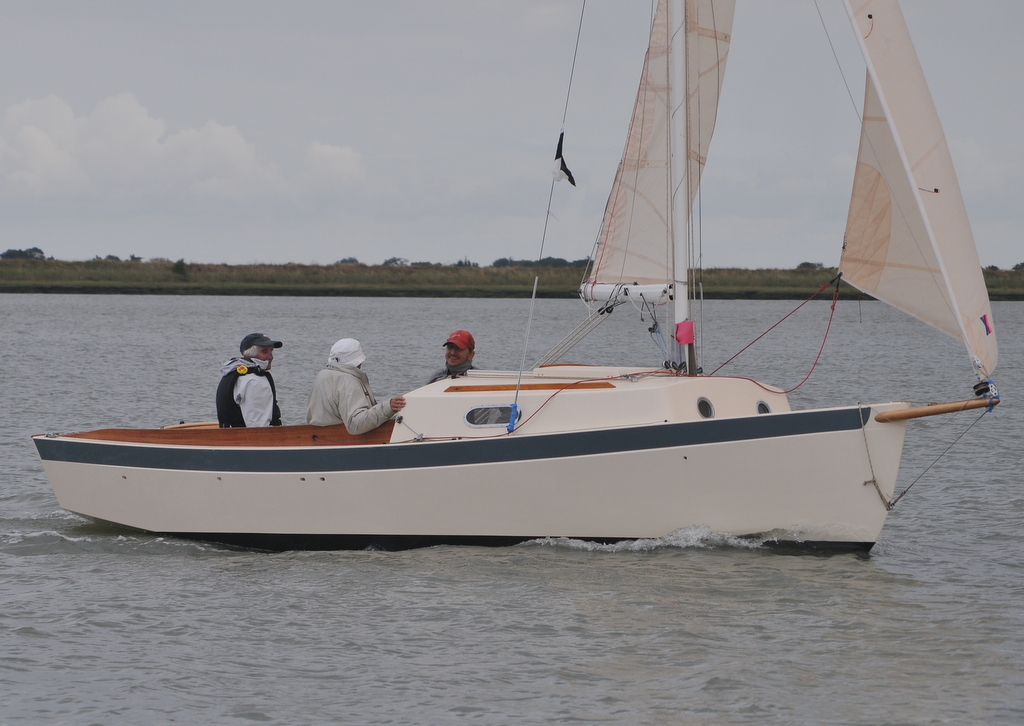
x,y
452,453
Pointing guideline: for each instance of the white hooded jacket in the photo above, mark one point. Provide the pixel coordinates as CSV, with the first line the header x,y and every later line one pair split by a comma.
x,y
253,394
341,394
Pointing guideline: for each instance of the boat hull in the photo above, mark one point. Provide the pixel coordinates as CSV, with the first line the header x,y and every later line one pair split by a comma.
x,y
814,477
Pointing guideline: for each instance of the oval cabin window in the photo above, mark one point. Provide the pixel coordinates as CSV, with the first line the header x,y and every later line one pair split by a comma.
x,y
497,416
705,408
763,407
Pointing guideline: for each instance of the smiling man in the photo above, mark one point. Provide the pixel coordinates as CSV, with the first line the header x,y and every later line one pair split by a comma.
x,y
459,350
246,396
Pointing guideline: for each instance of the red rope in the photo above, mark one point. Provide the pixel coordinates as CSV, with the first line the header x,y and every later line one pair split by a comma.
x,y
835,298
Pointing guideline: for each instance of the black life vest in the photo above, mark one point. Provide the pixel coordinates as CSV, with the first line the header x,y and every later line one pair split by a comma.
x,y
229,413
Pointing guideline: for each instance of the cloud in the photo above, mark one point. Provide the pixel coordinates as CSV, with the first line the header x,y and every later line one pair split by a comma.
x,y
119,154
37,150
328,169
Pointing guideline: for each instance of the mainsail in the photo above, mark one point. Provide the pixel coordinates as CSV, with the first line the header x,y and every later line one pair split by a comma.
x,y
643,216
908,240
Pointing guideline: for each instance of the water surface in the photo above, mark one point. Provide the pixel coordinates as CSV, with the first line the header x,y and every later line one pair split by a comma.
x,y
105,625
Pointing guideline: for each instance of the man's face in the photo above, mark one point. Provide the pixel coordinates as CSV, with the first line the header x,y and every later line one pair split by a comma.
x,y
266,352
454,356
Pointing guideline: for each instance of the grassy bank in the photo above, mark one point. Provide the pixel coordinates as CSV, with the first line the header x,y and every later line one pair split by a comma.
x,y
166,278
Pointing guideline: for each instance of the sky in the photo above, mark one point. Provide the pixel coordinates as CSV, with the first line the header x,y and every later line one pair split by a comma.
x,y
243,131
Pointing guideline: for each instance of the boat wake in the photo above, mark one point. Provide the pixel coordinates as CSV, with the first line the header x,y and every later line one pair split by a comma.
x,y
685,538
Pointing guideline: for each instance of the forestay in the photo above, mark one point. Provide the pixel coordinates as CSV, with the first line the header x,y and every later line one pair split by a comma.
x,y
908,240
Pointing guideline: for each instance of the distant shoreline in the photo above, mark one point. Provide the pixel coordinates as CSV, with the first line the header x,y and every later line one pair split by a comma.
x,y
108,277
284,291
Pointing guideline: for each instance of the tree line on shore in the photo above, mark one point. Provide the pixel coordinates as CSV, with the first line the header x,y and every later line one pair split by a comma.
x,y
32,271
34,253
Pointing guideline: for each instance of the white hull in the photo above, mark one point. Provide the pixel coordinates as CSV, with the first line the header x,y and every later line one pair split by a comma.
x,y
796,476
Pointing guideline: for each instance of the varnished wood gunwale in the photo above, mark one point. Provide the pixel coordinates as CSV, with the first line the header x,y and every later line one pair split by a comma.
x,y
269,436
530,387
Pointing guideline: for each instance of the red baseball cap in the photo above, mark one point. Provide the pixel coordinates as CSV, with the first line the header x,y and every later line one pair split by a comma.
x,y
461,339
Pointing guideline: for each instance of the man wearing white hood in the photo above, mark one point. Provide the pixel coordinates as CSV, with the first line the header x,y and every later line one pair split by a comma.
x,y
341,393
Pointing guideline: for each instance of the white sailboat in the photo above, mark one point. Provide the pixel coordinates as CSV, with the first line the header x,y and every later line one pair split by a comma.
x,y
605,453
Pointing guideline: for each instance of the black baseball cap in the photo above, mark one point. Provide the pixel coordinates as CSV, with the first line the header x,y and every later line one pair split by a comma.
x,y
257,339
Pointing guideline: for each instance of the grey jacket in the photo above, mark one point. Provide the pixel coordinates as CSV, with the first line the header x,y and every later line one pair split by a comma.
x,y
447,372
341,394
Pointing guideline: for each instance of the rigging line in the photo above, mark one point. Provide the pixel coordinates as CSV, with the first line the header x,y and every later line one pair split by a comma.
x,y
572,70
846,84
529,319
544,233
821,288
919,476
594,319
656,331
700,325
700,194
638,374
867,451
522,363
835,299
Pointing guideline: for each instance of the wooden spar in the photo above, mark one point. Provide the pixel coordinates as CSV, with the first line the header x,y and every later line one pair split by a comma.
x,y
935,409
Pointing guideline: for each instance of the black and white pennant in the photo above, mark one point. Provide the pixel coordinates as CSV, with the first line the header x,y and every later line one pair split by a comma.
x,y
561,170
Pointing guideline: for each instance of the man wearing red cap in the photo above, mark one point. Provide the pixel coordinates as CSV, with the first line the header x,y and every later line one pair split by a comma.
x,y
458,356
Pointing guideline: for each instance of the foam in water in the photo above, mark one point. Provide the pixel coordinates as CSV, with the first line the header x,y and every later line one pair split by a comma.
x,y
685,538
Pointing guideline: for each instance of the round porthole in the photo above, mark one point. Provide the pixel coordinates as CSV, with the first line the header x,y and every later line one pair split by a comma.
x,y
763,407
705,408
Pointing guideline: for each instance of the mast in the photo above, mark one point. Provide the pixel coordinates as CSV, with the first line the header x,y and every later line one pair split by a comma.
x,y
698,47
681,205
643,249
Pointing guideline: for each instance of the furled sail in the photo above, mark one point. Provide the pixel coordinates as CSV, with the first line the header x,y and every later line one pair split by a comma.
x,y
908,240
635,244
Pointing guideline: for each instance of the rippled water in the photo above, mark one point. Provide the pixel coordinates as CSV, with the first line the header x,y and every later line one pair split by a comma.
x,y
110,626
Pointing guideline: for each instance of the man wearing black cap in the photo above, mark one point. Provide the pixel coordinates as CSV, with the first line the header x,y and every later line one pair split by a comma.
x,y
246,395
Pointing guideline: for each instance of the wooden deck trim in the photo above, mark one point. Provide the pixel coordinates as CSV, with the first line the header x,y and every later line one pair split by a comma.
x,y
257,437
530,387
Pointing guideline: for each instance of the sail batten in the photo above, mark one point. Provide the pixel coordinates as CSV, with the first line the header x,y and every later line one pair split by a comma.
x,y
908,240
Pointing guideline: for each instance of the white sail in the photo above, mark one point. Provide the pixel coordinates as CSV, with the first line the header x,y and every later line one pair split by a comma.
x,y
908,240
635,245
